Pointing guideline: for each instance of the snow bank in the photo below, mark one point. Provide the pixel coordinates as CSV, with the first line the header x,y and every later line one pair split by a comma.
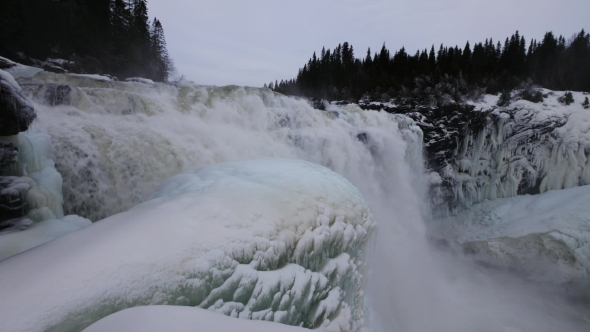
x,y
93,77
275,240
12,243
10,80
181,319
546,236
139,80
18,70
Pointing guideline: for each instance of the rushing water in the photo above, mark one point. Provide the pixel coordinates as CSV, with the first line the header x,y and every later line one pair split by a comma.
x,y
115,142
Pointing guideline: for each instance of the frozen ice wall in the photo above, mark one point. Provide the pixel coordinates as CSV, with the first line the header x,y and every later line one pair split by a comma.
x,y
524,148
273,239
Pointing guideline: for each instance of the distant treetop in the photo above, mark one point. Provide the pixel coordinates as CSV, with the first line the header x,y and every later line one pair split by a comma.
x,y
451,73
100,36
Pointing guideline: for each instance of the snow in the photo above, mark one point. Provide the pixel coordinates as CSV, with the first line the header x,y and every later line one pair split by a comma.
x,y
21,71
273,239
139,80
10,80
93,77
486,103
60,62
18,241
546,236
181,319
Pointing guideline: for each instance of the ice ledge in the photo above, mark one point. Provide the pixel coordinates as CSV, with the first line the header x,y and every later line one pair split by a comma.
x,y
274,239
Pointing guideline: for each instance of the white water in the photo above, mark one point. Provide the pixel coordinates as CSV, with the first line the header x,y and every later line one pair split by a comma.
x,y
116,141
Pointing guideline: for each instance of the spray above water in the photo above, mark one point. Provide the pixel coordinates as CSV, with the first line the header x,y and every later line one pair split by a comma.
x,y
115,142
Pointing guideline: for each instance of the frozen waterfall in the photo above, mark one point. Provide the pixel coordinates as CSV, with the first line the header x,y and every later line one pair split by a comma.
x,y
115,143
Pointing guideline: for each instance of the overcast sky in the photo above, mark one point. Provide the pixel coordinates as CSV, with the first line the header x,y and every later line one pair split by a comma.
x,y
252,42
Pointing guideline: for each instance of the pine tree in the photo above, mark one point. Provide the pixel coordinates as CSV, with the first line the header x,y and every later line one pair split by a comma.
x,y
162,64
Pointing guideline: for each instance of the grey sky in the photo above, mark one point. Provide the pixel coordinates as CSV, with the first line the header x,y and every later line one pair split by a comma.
x,y
243,42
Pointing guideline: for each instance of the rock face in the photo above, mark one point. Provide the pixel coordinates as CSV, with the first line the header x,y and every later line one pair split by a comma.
x,y
486,152
8,154
16,112
13,202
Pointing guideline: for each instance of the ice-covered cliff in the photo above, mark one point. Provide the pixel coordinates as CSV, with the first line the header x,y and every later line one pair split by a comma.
x,y
482,151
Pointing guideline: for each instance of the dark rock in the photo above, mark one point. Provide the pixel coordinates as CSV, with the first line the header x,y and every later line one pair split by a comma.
x,y
112,77
5,63
13,203
16,112
334,114
53,68
318,104
285,121
363,137
8,154
57,94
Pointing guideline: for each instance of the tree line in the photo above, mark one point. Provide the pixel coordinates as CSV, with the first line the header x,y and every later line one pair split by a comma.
x,y
447,74
112,37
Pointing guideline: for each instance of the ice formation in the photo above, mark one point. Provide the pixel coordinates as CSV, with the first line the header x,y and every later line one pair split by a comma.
x,y
34,181
277,240
523,148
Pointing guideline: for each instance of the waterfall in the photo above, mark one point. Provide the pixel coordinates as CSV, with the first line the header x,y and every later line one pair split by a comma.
x,y
115,142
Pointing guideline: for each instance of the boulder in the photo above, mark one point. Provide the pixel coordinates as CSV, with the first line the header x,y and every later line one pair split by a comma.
x,y
16,112
8,154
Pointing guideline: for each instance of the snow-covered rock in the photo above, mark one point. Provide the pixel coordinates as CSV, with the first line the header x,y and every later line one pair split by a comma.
x,y
139,80
16,112
274,239
18,70
94,77
8,154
